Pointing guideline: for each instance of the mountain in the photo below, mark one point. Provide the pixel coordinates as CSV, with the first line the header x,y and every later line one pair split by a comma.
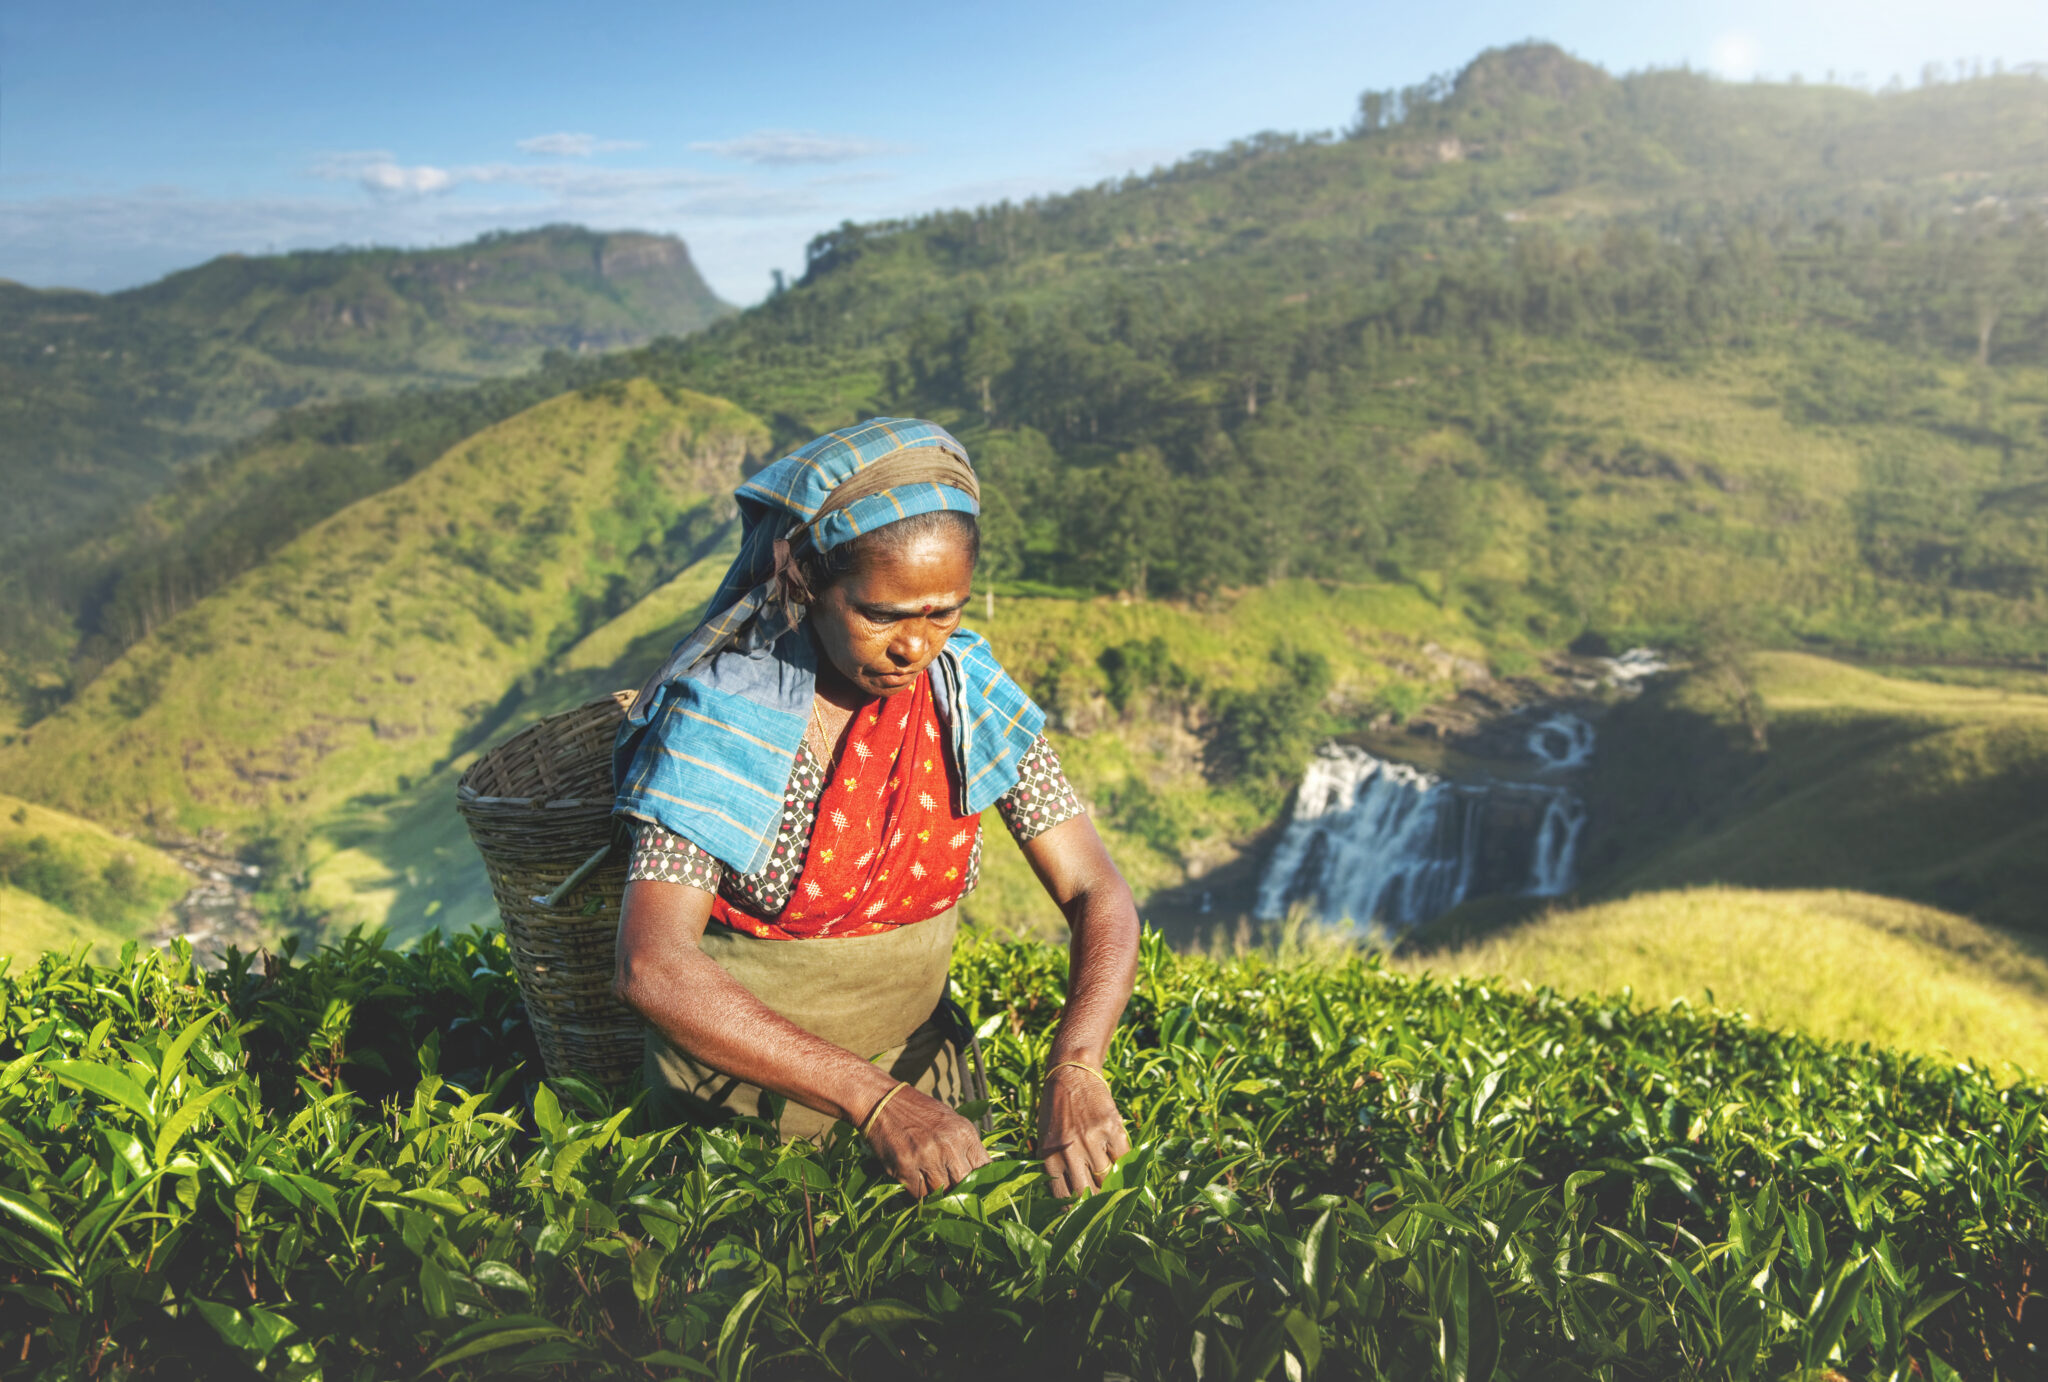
x,y
1567,349
104,397
1279,442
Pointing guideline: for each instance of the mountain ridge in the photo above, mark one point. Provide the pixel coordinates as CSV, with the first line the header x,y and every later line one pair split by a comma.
x,y
106,396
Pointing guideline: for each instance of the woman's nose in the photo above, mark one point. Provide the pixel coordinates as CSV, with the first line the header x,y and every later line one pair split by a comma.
x,y
908,647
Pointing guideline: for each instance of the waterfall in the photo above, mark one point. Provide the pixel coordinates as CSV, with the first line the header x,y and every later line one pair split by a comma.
x,y
1376,841
1557,846
1560,742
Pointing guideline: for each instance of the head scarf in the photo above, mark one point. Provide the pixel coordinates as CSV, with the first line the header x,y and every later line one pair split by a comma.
x,y
708,745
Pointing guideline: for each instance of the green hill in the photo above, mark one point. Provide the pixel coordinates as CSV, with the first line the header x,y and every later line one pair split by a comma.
x,y
1560,348
103,398
1919,789
1840,966
64,881
362,655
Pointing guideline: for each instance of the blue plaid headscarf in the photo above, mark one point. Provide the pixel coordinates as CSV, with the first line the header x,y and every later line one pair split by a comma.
x,y
707,749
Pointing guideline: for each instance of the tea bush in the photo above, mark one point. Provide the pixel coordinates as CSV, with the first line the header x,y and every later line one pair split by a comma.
x,y
337,1168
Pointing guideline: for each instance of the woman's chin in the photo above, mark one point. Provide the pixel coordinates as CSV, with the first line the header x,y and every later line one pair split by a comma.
x,y
887,686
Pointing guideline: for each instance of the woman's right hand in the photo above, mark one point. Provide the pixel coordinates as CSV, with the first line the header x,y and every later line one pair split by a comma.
x,y
924,1144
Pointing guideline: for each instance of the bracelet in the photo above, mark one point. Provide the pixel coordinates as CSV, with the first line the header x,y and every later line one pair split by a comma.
x,y
1078,1065
881,1104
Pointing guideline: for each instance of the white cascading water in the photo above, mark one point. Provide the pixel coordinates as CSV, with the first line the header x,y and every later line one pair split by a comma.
x,y
1375,841
1561,741
1557,846
1371,839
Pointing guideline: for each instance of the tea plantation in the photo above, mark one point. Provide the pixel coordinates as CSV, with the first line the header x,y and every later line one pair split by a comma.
x,y
337,1167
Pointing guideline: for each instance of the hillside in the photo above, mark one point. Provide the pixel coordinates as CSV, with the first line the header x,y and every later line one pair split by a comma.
x,y
1560,348
66,882
369,650
103,398
1564,349
1838,966
1918,789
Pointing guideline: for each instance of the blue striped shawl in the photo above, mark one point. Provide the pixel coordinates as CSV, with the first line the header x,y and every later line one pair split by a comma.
x,y
707,749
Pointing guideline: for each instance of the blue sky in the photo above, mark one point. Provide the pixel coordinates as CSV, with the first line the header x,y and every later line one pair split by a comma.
x,y
140,138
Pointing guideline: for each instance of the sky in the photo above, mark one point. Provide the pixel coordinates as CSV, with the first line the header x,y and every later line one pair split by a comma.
x,y
140,138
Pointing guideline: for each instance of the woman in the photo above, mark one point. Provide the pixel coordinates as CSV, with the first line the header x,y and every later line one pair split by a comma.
x,y
805,775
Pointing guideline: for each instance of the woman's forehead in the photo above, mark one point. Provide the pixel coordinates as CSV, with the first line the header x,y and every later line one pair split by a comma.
x,y
932,569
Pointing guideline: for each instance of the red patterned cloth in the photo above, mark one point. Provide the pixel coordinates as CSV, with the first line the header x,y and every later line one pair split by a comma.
x,y
886,850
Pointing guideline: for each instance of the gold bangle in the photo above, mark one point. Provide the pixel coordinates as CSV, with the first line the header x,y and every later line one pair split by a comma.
x,y
1078,1065
881,1104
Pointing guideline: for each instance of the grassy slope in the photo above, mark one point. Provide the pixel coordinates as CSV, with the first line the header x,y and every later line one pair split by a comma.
x,y
1839,965
1913,788
406,861
368,649
74,861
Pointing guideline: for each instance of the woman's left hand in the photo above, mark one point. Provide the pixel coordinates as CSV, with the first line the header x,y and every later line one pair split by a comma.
x,y
1080,1131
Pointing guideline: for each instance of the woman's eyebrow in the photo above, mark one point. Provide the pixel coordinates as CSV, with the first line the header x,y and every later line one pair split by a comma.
x,y
920,607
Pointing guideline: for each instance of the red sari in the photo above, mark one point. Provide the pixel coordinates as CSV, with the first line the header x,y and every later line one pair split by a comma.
x,y
887,849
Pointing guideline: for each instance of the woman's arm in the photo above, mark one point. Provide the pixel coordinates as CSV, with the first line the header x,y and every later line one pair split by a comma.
x,y
665,977
1080,1131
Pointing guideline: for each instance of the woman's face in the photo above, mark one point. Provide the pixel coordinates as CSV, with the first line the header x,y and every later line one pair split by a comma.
x,y
882,625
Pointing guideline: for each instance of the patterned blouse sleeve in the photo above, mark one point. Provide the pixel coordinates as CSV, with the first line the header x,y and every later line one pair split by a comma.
x,y
662,857
1042,797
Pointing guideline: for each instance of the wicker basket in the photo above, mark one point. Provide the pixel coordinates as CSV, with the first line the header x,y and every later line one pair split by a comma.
x,y
539,807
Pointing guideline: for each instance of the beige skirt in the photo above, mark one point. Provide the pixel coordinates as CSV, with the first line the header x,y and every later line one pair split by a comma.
x,y
882,997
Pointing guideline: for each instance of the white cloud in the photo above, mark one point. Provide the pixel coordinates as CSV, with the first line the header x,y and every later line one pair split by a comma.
x,y
567,145
397,179
1734,54
779,147
383,175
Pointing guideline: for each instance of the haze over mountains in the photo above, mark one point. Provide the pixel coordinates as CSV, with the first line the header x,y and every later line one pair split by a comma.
x,y
104,397
1343,427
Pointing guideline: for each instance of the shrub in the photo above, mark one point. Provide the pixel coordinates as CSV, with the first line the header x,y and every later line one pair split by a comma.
x,y
1263,737
325,1169
1139,666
